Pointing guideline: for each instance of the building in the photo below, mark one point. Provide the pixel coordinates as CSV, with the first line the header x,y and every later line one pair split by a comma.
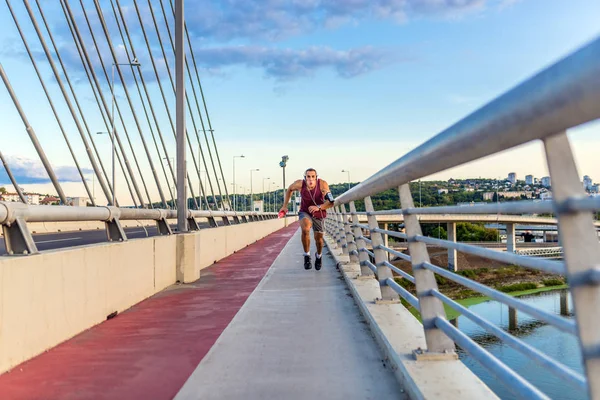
x,y
77,201
258,206
50,200
11,197
587,182
529,179
546,196
546,181
32,198
515,195
488,196
442,191
512,177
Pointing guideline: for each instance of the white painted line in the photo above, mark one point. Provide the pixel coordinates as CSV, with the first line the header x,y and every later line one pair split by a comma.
x,y
58,240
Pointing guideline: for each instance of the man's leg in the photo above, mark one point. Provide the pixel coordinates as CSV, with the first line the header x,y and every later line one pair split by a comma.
x,y
306,224
318,232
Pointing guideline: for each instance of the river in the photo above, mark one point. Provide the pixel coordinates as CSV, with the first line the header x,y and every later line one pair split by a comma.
x,y
558,345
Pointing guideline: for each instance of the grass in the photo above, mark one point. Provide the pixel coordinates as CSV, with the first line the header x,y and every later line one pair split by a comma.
x,y
517,287
553,282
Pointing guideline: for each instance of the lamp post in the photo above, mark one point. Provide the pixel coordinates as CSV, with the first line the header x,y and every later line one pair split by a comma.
x,y
234,197
263,192
274,196
134,63
251,202
348,172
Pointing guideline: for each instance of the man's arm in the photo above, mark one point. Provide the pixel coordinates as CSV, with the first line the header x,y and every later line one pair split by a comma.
x,y
326,195
288,194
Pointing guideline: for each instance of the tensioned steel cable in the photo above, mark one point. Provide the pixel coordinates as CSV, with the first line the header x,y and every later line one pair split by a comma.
x,y
151,106
187,65
147,97
166,104
34,140
59,81
74,94
210,128
109,82
191,113
12,178
49,98
101,102
128,97
96,87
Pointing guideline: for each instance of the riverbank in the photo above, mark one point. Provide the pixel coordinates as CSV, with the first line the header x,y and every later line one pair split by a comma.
x,y
510,279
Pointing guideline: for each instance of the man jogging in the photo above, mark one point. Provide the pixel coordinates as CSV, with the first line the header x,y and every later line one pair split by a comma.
x,y
316,198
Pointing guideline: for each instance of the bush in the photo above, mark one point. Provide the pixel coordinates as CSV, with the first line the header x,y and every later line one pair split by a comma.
x,y
553,282
440,279
517,287
468,273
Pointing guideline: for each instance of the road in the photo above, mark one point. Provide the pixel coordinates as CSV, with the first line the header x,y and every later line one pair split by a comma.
x,y
51,241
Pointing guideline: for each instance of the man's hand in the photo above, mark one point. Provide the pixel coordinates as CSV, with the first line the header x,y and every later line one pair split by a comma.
x,y
284,209
313,209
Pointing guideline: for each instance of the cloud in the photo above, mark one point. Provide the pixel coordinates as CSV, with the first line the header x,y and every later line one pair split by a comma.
x,y
29,171
288,64
278,19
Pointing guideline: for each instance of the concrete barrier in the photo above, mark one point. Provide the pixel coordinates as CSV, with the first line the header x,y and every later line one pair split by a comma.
x,y
50,297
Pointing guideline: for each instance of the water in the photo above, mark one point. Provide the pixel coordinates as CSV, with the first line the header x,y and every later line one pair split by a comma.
x,y
549,340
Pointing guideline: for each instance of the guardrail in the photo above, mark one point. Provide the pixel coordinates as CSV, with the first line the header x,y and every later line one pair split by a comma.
x,y
15,216
564,95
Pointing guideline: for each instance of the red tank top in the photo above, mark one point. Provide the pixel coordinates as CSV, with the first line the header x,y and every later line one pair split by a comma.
x,y
312,197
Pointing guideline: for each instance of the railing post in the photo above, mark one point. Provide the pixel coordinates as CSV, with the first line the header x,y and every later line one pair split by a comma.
x,y
350,239
383,272
360,244
452,254
438,343
581,253
510,238
340,230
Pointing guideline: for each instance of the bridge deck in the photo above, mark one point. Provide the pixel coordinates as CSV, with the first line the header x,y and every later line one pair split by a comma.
x,y
150,350
299,336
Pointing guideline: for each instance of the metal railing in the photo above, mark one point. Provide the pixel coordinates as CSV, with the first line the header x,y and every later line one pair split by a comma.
x,y
15,216
562,96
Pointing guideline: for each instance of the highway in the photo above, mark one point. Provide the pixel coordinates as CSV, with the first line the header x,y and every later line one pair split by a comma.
x,y
60,240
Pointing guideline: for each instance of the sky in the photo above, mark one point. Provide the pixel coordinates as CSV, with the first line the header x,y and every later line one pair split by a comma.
x,y
334,85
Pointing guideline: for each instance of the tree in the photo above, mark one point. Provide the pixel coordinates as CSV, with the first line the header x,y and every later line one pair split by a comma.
x,y
2,190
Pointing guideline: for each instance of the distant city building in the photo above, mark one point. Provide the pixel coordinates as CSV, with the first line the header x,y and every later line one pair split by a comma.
x,y
587,182
78,201
442,191
488,196
546,195
595,188
258,206
514,195
512,177
536,181
32,198
546,181
50,200
12,197
529,179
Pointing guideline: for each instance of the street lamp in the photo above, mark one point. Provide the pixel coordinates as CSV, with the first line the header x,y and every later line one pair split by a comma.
x,y
251,202
134,63
234,197
263,192
348,172
273,195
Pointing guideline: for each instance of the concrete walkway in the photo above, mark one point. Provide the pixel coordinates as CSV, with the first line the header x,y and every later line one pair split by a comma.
x,y
298,336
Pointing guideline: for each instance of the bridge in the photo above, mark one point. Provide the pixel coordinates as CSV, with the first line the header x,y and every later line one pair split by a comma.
x,y
213,302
